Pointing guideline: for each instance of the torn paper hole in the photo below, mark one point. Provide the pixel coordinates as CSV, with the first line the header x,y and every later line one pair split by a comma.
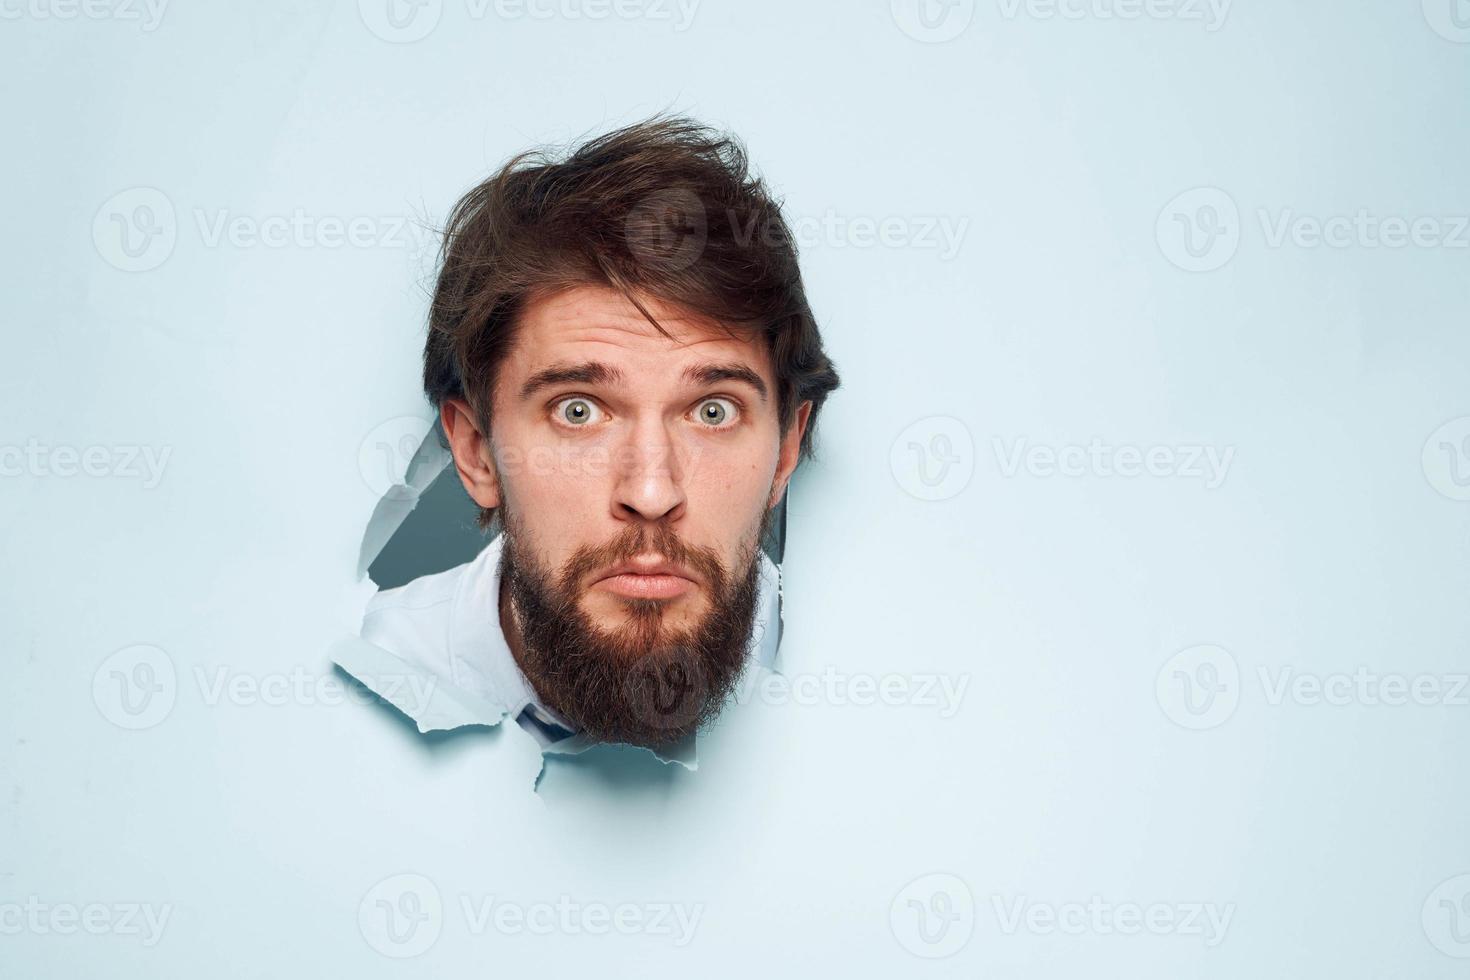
x,y
429,639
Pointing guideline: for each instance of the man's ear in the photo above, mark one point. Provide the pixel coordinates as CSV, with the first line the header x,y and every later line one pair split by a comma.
x,y
471,452
790,452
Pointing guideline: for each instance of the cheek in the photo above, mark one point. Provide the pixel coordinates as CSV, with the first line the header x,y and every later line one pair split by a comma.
x,y
556,491
730,487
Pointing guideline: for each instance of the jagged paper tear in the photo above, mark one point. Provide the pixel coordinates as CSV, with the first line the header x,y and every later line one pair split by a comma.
x,y
433,702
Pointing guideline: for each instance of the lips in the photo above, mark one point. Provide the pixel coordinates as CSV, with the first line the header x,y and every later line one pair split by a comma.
x,y
649,578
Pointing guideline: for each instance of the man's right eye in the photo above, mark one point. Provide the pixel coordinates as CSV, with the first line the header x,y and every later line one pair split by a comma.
x,y
576,412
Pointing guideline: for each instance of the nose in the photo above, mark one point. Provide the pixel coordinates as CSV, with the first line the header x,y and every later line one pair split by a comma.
x,y
650,480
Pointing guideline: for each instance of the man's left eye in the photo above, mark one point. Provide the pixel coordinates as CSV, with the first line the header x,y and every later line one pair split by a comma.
x,y
717,413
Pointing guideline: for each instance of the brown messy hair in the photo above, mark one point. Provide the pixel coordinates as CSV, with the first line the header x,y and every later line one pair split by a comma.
x,y
665,208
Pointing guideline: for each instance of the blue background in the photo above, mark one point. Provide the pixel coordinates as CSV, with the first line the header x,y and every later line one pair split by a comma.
x,y
280,376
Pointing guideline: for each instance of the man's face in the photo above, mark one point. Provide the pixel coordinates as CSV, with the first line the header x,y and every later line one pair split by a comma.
x,y
634,474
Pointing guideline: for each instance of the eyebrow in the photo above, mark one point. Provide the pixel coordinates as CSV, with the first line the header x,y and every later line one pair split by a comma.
x,y
595,372
591,372
709,374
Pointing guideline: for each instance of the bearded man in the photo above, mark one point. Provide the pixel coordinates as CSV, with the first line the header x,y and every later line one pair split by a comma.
x,y
627,373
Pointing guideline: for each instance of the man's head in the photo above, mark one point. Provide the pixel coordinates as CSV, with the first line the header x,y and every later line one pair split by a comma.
x,y
628,373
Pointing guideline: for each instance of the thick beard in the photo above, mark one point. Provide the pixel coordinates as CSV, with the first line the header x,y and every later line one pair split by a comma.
x,y
645,684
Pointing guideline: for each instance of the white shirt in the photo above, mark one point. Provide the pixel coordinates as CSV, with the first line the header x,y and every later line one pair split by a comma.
x,y
445,628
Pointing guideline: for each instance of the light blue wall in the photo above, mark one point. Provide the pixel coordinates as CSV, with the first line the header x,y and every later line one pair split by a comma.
x,y
1082,622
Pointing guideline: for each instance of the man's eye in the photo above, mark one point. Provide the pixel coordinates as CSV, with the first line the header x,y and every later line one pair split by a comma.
x,y
717,413
576,411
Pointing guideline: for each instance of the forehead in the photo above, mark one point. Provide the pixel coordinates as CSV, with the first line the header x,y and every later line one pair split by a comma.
x,y
598,322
